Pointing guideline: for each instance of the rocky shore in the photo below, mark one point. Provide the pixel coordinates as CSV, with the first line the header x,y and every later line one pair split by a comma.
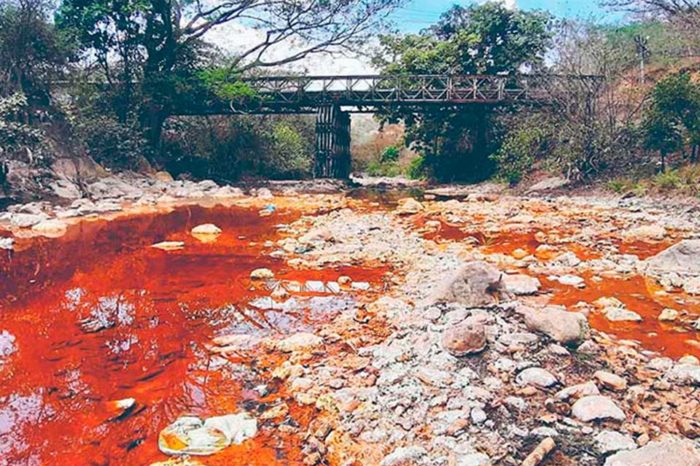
x,y
495,339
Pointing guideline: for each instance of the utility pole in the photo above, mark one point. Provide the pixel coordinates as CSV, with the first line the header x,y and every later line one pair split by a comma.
x,y
643,52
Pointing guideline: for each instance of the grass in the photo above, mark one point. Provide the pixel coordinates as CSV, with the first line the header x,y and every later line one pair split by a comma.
x,y
684,180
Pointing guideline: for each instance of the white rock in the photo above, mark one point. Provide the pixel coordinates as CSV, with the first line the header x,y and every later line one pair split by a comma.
x,y
520,284
611,381
609,441
52,227
206,229
404,456
668,315
299,342
169,245
667,450
536,376
577,391
596,408
556,323
262,274
685,374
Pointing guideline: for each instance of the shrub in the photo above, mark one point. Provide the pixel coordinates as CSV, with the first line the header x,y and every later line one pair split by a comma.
x,y
416,169
390,154
516,156
667,181
113,144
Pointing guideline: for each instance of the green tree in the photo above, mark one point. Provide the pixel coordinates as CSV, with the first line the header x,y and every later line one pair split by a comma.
x,y
477,39
157,41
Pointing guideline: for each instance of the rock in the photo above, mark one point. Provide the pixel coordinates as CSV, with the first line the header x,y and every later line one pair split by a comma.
x,y
596,408
7,243
620,314
548,184
609,441
21,220
169,245
570,280
519,254
666,450
163,176
520,284
299,342
7,344
464,339
668,315
227,192
262,274
263,193
536,376
644,233
206,229
540,452
477,415
611,381
65,189
684,374
189,435
475,284
692,285
473,459
560,325
408,206
682,258
404,456
51,227
577,391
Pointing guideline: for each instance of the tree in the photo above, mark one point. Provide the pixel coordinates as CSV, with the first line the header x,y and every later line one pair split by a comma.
x,y
155,39
477,39
31,50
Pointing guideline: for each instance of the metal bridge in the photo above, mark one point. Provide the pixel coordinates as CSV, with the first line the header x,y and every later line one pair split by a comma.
x,y
333,98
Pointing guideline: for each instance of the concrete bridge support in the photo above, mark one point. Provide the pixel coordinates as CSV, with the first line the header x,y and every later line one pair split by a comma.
x,y
332,142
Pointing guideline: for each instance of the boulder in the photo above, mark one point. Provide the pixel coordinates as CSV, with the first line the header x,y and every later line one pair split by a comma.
x,y
169,245
684,374
644,233
299,342
536,376
22,220
609,441
464,339
189,435
206,229
548,184
560,325
520,284
668,315
610,380
262,274
475,284
404,456
666,450
682,258
65,189
692,285
577,391
408,206
596,408
52,227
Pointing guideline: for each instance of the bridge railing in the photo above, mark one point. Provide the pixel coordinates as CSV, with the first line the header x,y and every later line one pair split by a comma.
x,y
383,90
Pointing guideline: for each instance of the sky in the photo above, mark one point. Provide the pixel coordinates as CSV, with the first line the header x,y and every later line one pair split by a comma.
x,y
418,14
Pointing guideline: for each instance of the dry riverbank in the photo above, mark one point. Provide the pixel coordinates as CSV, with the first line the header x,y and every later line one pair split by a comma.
x,y
495,322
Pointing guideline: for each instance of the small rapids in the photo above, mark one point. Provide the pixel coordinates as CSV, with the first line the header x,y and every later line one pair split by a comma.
x,y
100,316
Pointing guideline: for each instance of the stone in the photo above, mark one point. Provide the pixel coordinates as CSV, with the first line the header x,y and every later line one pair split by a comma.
x,y
404,456
163,176
7,344
520,284
300,342
21,220
682,258
52,227
548,184
189,435
692,285
611,381
536,376
577,391
65,189
596,408
620,314
540,452
609,441
464,339
560,325
7,243
684,374
668,315
666,450
570,280
473,459
262,274
519,254
408,206
169,245
475,284
644,233
206,229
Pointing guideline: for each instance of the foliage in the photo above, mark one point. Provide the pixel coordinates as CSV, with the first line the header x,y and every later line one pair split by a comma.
x,y
111,143
32,51
672,120
390,154
416,168
487,38
521,147
227,149
15,136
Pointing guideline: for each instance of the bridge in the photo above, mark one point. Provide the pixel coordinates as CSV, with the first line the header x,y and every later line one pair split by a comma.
x,y
333,98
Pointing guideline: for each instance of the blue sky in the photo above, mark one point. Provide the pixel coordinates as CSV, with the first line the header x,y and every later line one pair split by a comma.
x,y
418,14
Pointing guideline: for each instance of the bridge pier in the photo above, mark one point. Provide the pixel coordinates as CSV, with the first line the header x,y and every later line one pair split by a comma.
x,y
332,142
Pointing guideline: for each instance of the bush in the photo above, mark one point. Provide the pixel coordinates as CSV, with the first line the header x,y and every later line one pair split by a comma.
x,y
112,144
15,136
416,169
390,154
517,155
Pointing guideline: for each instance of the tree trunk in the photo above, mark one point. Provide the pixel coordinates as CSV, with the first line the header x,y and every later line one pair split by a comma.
x,y
663,161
